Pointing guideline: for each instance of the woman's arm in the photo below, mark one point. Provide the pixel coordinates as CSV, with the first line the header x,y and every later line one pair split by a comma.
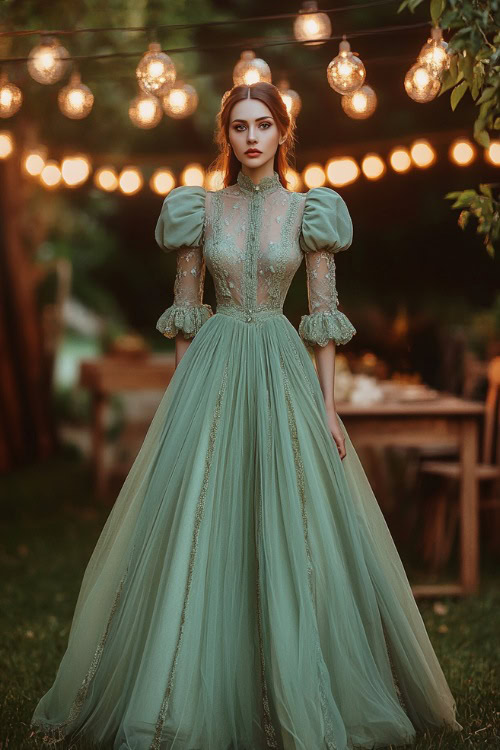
x,y
325,363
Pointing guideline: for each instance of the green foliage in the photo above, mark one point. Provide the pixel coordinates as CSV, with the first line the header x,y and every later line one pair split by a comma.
x,y
475,67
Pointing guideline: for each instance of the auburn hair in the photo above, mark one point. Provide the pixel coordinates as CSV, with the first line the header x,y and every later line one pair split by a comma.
x,y
226,162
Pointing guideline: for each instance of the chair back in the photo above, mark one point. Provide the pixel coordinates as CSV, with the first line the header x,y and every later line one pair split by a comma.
x,y
491,455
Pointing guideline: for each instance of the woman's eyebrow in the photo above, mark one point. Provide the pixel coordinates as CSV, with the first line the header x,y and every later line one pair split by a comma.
x,y
265,117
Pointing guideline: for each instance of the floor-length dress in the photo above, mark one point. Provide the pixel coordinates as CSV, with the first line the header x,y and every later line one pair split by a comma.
x,y
245,591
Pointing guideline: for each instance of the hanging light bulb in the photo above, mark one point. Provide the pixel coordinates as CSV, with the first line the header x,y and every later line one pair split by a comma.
x,y
291,99
462,152
250,69
293,180
75,100
48,61
214,180
361,103
421,84
400,159
11,97
312,27
346,72
180,101
156,71
434,53
314,175
373,167
422,153
75,170
145,111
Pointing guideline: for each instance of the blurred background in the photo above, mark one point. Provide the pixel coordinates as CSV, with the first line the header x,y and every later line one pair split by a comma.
x,y
104,109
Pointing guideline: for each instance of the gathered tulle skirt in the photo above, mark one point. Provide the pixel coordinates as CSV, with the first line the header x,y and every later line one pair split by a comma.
x,y
245,591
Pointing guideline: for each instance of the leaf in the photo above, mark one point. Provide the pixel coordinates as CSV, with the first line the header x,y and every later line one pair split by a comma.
x,y
463,219
486,190
482,137
458,93
437,7
486,95
496,124
466,67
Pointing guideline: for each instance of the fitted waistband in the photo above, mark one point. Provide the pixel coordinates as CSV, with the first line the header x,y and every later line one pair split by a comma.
x,y
249,316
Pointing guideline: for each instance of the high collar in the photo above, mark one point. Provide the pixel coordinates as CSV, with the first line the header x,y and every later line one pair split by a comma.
x,y
265,185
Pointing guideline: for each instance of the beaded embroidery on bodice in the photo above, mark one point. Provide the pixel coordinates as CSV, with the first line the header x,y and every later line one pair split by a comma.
x,y
251,244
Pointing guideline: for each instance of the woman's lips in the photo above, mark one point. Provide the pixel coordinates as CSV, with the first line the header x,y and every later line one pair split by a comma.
x,y
253,153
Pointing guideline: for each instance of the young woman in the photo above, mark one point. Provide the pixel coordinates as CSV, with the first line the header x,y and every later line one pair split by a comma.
x,y
245,591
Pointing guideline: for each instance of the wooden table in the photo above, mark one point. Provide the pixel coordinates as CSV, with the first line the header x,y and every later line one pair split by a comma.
x,y
106,375
443,420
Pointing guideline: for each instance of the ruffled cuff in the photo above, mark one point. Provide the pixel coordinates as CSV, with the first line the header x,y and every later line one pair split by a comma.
x,y
188,319
322,327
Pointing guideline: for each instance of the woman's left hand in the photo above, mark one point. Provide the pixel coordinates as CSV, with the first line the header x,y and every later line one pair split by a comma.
x,y
336,430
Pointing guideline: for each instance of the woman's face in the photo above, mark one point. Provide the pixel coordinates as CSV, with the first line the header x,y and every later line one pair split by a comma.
x,y
252,126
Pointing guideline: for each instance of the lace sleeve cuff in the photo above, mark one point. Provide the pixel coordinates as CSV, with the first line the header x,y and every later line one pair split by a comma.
x,y
187,319
322,327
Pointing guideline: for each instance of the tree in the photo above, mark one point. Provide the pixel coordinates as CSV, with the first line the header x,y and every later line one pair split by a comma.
x,y
474,67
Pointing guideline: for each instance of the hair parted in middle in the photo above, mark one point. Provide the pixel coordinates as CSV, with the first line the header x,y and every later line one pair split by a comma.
x,y
226,162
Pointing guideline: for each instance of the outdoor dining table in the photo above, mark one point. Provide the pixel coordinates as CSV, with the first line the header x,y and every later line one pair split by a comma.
x,y
446,420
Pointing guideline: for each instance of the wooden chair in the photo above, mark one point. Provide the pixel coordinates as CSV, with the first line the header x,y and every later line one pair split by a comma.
x,y
439,539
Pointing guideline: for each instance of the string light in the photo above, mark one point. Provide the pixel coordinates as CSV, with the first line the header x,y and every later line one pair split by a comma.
x,y
373,167
193,174
75,100
11,97
251,69
492,153
34,161
346,72
342,171
214,180
422,153
293,179
50,176
421,84
462,152
145,111
130,180
312,27
75,170
162,181
360,104
6,144
106,179
181,101
314,176
434,53
291,98
400,159
48,61
156,71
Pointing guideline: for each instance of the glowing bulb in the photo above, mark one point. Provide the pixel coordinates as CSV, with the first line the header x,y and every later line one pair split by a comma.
x,y
162,181
361,104
250,69
180,101
193,174
130,180
145,111
373,167
400,159
75,170
314,176
342,171
6,144
214,180
346,72
434,53
11,97
310,26
421,84
75,100
106,179
293,180
156,71
34,161
422,153
462,152
50,175
492,153
48,61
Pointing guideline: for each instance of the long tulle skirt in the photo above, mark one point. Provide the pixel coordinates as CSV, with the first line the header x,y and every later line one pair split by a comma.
x,y
245,591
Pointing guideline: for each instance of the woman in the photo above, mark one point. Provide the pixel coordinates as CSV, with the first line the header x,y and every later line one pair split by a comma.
x,y
245,591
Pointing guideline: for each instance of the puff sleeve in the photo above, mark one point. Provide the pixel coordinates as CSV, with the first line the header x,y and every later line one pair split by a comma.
x,y
179,229
326,230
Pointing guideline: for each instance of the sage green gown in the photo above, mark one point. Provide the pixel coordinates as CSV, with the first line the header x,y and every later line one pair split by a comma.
x,y
245,591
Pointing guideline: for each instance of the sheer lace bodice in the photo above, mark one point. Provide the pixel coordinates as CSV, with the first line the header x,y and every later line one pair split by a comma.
x,y
252,239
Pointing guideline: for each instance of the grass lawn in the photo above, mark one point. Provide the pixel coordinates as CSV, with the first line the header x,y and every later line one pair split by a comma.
x,y
49,526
